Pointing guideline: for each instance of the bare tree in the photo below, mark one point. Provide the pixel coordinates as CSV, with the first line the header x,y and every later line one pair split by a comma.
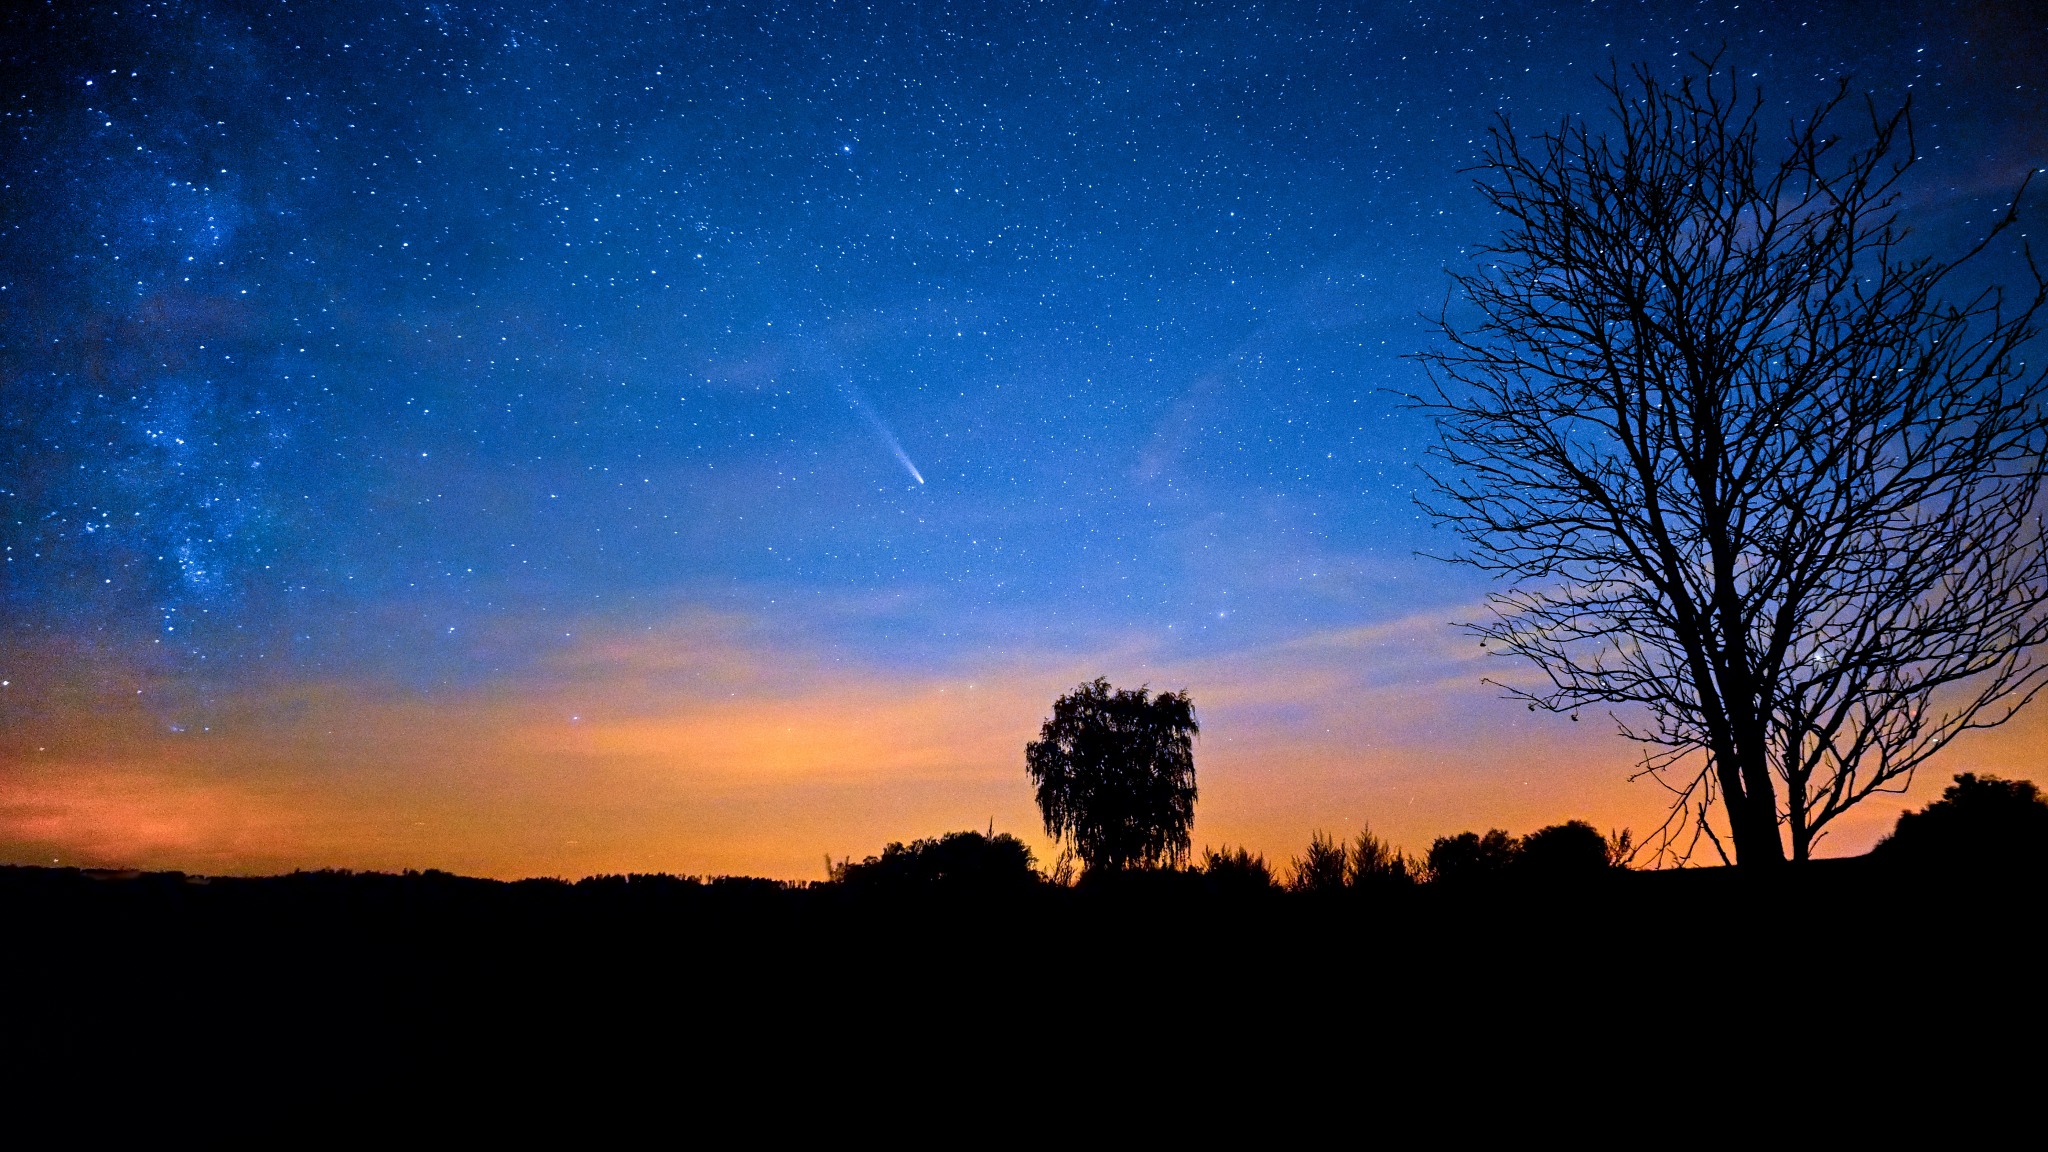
x,y
1756,481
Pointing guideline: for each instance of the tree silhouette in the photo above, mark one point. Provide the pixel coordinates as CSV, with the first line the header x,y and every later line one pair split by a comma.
x,y
1236,870
1323,868
1980,821
1755,478
1573,848
956,860
1375,863
1115,774
1366,864
1469,856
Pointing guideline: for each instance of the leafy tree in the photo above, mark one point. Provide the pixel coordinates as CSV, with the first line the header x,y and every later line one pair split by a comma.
x,y
1364,864
1469,856
1573,848
1323,868
1758,477
1981,821
1115,774
955,860
1237,869
1375,863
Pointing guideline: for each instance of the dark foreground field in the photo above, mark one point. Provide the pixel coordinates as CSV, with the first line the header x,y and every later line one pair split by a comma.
x,y
431,970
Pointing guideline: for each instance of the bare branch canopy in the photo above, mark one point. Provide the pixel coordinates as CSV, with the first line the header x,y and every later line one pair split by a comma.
x,y
1756,476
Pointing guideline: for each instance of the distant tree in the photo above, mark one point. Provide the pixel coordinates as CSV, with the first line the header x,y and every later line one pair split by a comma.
x,y
1621,849
1236,869
1366,863
1469,856
1573,848
1755,474
955,860
1115,774
1980,821
1064,871
1374,863
1322,868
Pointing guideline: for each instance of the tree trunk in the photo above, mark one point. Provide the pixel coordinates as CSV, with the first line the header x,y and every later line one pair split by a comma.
x,y
1795,823
1752,817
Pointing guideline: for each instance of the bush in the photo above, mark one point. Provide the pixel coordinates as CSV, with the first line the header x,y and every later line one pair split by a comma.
x,y
1573,848
1469,856
1322,868
1980,822
1374,863
956,860
1236,870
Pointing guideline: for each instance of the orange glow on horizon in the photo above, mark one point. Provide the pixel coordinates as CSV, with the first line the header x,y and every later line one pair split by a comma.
x,y
691,751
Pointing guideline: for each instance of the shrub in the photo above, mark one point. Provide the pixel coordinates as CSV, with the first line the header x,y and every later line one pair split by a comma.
x,y
955,860
1376,863
1236,869
1573,848
1980,821
1469,856
1322,868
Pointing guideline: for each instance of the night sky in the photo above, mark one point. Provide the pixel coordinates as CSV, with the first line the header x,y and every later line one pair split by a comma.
x,y
556,439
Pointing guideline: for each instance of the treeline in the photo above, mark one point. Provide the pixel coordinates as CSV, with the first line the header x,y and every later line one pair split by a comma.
x,y
1572,850
443,969
1980,822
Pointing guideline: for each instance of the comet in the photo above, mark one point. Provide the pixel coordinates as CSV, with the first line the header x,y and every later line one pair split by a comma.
x,y
859,403
816,358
